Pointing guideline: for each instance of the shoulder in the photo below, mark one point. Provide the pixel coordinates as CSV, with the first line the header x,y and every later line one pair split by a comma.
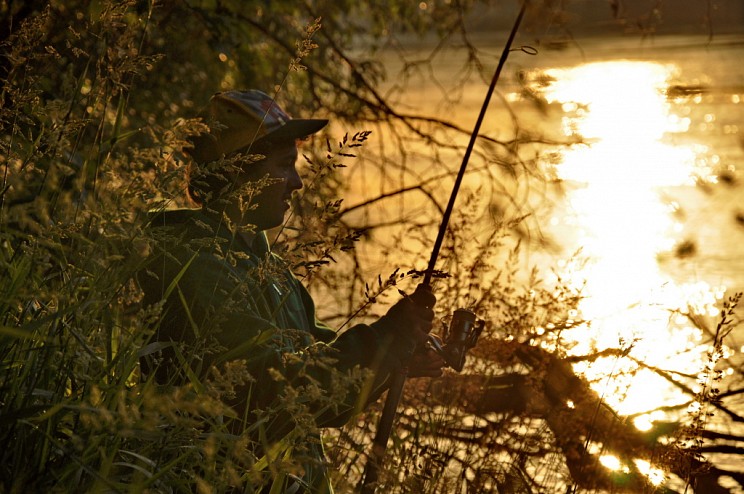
x,y
172,217
179,235
188,224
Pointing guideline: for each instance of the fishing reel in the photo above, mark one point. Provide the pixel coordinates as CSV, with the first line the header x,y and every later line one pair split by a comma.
x,y
461,335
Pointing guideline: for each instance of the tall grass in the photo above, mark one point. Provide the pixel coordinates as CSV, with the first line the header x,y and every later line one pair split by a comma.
x,y
77,181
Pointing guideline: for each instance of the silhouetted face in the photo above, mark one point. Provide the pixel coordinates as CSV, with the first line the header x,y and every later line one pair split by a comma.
x,y
273,201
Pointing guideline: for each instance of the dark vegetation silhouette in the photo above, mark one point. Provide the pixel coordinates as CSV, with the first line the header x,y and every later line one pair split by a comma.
x,y
97,103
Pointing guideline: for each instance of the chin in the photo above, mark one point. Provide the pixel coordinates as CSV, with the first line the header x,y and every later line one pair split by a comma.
x,y
266,218
269,223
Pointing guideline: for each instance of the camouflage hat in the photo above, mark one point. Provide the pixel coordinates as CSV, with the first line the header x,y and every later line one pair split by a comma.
x,y
238,119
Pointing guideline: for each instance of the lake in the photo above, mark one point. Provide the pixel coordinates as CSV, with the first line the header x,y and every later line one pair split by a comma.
x,y
651,199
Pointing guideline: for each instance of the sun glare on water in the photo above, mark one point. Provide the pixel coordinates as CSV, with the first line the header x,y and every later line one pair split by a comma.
x,y
616,216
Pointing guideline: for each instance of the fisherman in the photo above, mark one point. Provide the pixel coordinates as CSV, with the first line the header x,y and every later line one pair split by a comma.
x,y
228,298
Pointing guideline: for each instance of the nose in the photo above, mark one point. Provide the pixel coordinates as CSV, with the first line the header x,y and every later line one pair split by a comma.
x,y
294,181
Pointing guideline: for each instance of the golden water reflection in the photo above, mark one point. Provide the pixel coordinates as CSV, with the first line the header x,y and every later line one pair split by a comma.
x,y
614,212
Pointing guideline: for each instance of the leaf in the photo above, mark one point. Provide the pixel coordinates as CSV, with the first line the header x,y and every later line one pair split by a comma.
x,y
21,334
143,459
153,347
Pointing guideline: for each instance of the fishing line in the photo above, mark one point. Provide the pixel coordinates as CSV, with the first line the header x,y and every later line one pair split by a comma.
x,y
395,392
469,149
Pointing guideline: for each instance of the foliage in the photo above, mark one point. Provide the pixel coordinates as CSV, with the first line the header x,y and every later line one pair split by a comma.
x,y
97,103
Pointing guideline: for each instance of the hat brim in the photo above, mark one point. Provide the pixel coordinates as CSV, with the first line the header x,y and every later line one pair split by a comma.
x,y
296,128
207,148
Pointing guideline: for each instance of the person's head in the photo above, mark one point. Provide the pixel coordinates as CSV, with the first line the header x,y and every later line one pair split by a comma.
x,y
243,126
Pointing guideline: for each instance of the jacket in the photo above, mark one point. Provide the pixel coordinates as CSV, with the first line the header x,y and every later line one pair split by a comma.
x,y
225,300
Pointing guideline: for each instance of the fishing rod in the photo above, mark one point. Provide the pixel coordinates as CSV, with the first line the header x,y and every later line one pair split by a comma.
x,y
465,328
